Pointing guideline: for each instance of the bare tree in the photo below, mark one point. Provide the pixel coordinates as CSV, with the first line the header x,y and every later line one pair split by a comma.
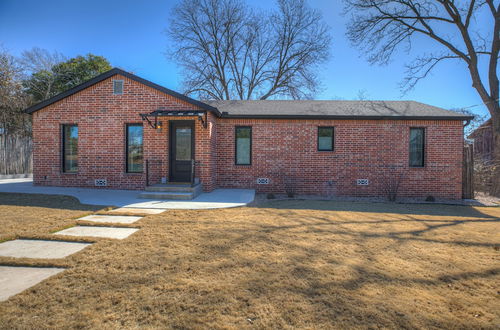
x,y
39,59
380,27
13,100
362,95
39,63
12,96
229,51
477,121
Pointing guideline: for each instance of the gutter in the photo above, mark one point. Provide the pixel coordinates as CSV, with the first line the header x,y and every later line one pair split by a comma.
x,y
345,117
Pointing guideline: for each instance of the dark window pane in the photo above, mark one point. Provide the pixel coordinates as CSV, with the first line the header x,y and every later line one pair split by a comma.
x,y
243,145
325,138
417,147
183,143
134,148
70,148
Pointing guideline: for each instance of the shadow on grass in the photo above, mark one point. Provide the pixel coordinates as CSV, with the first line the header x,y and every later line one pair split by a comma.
x,y
408,209
305,266
47,201
328,263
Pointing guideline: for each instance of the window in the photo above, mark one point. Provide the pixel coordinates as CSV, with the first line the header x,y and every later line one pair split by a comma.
x,y
325,138
70,148
134,148
417,141
243,145
183,143
117,87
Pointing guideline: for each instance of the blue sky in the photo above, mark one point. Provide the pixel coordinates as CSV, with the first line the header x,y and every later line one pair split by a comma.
x,y
130,34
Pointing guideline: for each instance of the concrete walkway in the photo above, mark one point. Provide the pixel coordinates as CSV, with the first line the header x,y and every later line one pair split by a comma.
x,y
98,231
14,280
219,198
17,279
100,218
40,249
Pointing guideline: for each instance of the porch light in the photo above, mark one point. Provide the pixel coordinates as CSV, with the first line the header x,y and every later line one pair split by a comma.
x,y
202,116
159,125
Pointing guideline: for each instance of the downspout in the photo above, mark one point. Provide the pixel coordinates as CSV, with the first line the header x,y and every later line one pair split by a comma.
x,y
467,122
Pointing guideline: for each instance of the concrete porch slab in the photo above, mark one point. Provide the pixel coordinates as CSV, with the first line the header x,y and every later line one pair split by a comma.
x,y
135,210
92,231
43,249
219,198
14,280
111,218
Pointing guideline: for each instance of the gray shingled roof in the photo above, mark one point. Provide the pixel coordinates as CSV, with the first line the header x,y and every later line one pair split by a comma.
x,y
313,108
285,108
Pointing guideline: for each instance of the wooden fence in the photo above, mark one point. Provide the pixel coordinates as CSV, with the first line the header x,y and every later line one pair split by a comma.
x,y
15,154
468,172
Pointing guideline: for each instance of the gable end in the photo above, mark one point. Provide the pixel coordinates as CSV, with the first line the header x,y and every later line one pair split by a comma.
x,y
116,71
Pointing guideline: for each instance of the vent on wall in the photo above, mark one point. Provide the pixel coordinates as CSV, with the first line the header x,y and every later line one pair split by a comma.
x,y
262,181
363,182
100,182
117,87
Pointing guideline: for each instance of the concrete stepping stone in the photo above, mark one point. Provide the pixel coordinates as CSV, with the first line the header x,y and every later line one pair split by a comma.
x,y
14,280
136,210
43,249
111,218
94,231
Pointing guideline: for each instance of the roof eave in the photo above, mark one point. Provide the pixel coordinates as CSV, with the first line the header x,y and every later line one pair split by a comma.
x,y
346,117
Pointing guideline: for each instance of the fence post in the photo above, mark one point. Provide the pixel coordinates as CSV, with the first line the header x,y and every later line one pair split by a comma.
x,y
468,172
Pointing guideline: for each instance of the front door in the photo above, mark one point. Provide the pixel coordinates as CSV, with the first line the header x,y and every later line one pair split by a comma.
x,y
181,150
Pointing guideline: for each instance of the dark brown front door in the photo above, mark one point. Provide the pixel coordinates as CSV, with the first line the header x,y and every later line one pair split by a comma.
x,y
181,150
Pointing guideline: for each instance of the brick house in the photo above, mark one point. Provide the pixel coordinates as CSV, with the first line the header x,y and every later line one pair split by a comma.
x,y
483,141
123,132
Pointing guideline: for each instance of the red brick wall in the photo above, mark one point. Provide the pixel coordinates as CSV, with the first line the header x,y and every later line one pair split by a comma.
x,y
284,151
101,118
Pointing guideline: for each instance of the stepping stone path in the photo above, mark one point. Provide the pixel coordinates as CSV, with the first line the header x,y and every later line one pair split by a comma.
x,y
14,280
93,231
136,210
111,218
27,248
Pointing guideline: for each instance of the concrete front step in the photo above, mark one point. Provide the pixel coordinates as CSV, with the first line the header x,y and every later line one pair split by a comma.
x,y
173,188
167,195
172,191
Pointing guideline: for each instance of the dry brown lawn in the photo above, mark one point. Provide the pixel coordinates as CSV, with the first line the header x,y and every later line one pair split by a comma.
x,y
23,215
283,264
